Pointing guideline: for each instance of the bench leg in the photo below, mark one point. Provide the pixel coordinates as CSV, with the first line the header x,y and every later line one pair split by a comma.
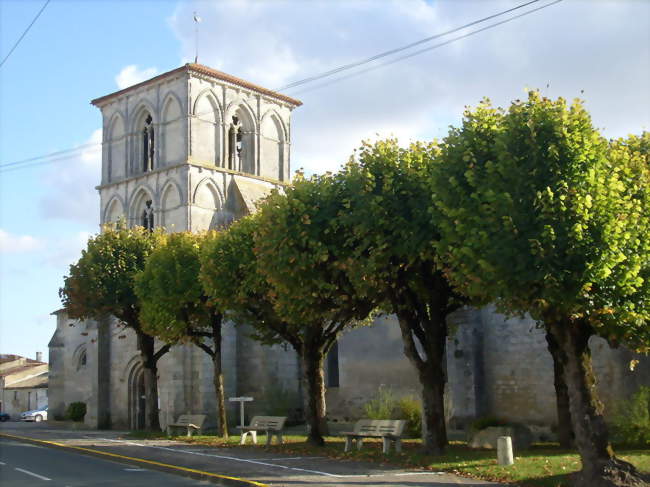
x,y
359,443
398,445
254,435
385,445
243,438
269,438
348,444
189,432
280,439
169,431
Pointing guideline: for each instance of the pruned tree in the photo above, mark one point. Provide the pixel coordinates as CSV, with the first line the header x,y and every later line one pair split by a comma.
x,y
390,235
175,309
101,284
298,272
538,213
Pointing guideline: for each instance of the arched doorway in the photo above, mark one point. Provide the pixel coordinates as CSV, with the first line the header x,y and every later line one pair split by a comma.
x,y
137,403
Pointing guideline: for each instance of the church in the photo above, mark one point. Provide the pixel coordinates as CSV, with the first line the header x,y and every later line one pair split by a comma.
x,y
194,149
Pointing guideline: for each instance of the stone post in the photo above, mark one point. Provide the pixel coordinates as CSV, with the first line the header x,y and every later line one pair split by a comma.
x,y
504,451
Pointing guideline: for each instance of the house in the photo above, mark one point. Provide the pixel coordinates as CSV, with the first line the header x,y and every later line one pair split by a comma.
x,y
23,384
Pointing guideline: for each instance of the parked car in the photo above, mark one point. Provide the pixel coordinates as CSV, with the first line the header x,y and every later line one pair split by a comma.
x,y
34,415
4,417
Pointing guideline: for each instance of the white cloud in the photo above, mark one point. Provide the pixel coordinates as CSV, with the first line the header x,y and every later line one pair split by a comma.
x,y
131,75
63,252
10,243
572,46
71,182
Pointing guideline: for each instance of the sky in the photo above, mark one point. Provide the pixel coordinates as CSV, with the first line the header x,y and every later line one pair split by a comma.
x,y
79,50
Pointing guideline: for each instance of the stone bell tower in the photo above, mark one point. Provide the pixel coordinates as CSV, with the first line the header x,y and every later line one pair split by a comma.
x,y
191,149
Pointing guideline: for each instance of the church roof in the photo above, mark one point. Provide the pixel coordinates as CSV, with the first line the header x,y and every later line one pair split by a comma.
x,y
205,70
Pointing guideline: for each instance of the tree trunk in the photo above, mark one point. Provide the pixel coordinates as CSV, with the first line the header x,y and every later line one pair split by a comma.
x,y
222,426
434,429
312,361
431,373
564,428
150,369
599,466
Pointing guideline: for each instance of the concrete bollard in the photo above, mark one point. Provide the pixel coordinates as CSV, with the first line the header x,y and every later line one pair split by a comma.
x,y
504,451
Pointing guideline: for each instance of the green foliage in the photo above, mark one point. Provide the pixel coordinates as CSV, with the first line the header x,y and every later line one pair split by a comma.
x,y
539,213
631,421
486,422
102,281
76,411
230,275
388,406
173,303
302,254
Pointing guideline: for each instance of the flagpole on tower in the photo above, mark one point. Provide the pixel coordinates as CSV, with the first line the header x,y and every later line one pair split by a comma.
x,y
197,20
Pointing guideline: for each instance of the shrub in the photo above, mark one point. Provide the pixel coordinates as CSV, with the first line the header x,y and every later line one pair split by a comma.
x,y
76,411
631,421
386,406
486,422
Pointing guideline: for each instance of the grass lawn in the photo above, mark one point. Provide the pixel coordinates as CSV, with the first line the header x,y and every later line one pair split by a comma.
x,y
544,465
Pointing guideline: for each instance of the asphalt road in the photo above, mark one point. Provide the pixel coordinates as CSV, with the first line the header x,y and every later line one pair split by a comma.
x,y
28,465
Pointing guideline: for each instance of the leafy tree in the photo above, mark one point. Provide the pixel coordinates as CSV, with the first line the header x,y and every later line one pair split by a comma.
x,y
295,245
101,284
175,309
390,234
538,213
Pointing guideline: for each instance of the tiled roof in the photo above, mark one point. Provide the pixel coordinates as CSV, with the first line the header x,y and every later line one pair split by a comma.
x,y
201,69
4,358
37,381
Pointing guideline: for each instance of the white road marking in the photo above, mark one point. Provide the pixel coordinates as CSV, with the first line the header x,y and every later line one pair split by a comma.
x,y
286,458
2,463
265,464
32,474
135,469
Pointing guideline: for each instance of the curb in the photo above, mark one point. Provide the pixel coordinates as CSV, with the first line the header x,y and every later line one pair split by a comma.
x,y
163,467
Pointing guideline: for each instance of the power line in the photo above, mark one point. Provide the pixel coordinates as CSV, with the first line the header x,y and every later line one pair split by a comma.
x,y
79,148
400,49
25,32
66,154
422,51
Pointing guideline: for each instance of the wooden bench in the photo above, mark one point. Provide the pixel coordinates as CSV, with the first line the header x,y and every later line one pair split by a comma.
x,y
389,430
190,422
272,425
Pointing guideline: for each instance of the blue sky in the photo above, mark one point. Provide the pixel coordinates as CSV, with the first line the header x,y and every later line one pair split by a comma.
x,y
79,50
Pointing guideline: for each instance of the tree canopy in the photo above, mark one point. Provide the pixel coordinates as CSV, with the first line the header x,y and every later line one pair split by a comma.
x,y
540,214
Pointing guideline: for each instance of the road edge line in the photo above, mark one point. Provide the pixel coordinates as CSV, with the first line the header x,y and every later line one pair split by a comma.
x,y
164,467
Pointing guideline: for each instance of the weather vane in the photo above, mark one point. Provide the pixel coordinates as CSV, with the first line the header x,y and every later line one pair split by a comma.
x,y
197,21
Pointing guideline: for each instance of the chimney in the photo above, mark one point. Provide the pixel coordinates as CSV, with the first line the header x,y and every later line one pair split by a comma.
x,y
39,356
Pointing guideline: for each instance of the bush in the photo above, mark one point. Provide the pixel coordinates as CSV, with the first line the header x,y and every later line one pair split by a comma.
x,y
631,421
387,406
76,411
486,422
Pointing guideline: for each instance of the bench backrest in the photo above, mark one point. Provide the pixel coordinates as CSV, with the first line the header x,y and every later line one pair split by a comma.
x,y
380,426
195,419
268,422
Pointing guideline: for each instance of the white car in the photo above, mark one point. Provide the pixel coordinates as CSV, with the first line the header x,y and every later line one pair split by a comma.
x,y
35,415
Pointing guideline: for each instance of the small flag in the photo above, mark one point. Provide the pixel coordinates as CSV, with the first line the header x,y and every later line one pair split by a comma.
x,y
197,19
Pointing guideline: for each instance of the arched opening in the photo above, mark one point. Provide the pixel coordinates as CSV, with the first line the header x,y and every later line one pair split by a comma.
x,y
206,130
137,402
172,141
144,146
241,141
272,148
114,212
116,150
142,211
172,210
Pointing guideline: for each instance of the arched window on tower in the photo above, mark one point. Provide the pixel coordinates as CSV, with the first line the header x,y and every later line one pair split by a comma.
x,y
147,145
